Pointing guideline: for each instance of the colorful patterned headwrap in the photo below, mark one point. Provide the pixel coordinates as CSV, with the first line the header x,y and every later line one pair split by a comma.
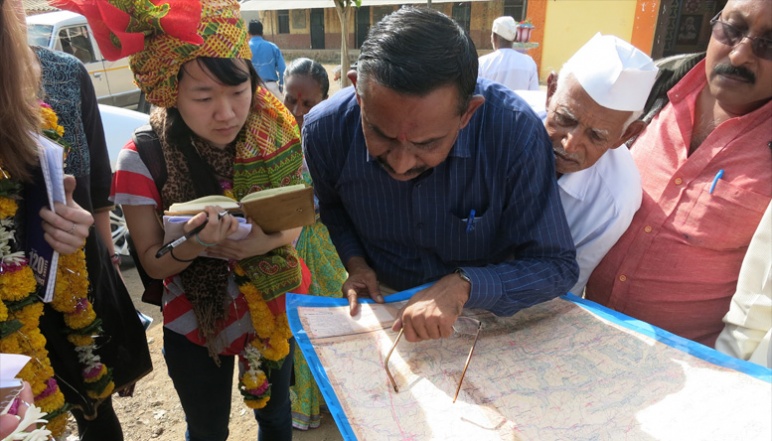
x,y
162,35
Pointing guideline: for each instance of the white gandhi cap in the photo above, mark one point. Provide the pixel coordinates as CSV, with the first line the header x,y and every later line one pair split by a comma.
x,y
506,27
613,72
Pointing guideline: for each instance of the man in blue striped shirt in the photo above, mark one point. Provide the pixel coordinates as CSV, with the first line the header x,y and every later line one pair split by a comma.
x,y
425,173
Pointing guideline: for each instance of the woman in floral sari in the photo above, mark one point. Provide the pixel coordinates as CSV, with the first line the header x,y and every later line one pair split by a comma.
x,y
305,85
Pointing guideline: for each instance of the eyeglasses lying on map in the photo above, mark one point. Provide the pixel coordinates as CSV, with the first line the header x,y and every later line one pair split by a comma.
x,y
463,326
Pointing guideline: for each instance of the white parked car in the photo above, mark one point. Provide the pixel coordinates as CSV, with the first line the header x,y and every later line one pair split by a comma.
x,y
69,32
119,125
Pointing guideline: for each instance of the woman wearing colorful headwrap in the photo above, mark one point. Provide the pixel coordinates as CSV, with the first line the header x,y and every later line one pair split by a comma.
x,y
219,132
306,84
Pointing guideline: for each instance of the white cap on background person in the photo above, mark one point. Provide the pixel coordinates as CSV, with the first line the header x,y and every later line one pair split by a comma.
x,y
506,27
616,74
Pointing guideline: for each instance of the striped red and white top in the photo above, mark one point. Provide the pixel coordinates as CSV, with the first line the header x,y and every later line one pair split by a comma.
x,y
134,185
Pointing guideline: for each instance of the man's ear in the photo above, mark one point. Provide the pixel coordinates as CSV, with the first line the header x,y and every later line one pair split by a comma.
x,y
552,86
634,129
352,76
474,104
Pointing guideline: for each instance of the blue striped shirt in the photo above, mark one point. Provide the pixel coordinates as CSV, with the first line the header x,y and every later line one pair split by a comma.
x,y
519,252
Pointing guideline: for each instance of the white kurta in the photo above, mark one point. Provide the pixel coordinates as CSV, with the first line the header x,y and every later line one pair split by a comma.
x,y
599,203
748,330
511,68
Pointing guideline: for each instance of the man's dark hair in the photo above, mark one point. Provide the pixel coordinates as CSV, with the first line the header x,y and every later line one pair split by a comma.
x,y
416,50
308,67
255,27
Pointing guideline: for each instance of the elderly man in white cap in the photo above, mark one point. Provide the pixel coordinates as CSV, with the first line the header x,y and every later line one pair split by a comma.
x,y
505,65
594,110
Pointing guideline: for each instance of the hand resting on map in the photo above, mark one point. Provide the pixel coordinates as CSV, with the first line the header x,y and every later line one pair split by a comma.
x,y
430,313
361,282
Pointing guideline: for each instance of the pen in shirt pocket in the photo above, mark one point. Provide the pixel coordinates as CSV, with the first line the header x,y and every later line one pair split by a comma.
x,y
719,175
470,221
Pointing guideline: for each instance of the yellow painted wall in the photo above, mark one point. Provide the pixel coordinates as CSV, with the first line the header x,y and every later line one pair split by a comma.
x,y
571,23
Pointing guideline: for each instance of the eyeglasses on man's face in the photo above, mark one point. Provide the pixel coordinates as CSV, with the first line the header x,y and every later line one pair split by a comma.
x,y
730,35
463,326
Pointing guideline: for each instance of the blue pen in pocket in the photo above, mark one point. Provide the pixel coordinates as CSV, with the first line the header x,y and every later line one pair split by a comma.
x,y
470,221
719,175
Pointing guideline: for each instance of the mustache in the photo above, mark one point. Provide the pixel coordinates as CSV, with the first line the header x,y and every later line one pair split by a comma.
x,y
739,71
412,172
562,153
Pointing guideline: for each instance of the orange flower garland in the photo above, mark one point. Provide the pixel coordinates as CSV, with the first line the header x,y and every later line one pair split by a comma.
x,y
20,312
270,346
51,128
71,297
82,323
20,307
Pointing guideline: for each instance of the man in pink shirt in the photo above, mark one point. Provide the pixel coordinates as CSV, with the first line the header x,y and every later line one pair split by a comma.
x,y
706,168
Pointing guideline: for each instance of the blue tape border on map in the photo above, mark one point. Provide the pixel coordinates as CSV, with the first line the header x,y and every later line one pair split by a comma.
x,y
312,360
301,339
690,347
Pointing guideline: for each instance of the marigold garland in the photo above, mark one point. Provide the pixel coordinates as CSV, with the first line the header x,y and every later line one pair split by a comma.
x,y
21,309
28,340
71,296
70,299
51,128
270,345
8,208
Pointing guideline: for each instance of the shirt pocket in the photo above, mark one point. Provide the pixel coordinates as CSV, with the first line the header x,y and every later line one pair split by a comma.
x,y
725,219
468,243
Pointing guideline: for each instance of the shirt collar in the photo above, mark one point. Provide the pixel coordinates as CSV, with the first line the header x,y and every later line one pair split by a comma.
x,y
696,79
460,149
577,184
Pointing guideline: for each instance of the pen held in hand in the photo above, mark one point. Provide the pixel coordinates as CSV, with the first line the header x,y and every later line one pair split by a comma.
x,y
180,240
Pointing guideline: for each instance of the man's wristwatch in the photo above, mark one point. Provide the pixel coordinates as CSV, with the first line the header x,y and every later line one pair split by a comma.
x,y
464,276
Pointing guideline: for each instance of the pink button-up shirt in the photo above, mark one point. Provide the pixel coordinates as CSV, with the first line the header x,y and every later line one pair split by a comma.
x,y
677,264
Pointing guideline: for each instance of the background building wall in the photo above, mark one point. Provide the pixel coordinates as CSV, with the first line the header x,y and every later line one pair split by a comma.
x,y
657,27
571,23
645,25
